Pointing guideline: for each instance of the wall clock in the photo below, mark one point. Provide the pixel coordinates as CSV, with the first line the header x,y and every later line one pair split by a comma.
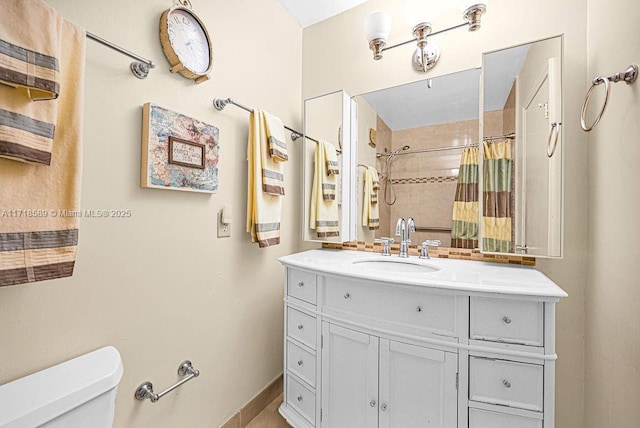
x,y
186,42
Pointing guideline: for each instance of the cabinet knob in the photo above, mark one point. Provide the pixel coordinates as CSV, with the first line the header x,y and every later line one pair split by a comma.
x,y
347,295
372,403
419,309
300,327
383,407
506,320
299,397
300,362
300,283
506,383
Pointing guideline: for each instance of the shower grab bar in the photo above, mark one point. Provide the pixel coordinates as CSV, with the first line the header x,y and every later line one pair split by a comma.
x,y
145,390
628,76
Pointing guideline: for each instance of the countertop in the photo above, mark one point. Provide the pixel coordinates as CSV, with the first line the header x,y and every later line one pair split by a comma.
x,y
460,275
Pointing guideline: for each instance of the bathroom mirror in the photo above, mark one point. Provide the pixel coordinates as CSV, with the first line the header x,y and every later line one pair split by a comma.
x,y
327,169
415,136
521,155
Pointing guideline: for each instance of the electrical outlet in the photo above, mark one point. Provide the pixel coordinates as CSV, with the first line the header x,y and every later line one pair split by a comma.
x,y
224,229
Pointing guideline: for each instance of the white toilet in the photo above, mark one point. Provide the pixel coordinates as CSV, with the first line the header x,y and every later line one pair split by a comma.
x,y
78,393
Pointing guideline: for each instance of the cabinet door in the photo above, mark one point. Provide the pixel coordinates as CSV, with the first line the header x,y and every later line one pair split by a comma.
x,y
417,386
349,378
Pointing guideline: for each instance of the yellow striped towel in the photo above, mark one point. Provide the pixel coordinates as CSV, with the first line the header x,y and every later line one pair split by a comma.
x,y
276,138
331,158
370,210
31,38
323,215
264,209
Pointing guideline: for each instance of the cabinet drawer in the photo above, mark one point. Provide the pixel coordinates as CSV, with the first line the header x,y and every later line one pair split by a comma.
x,y
302,363
301,399
417,308
486,419
512,321
506,383
301,327
302,285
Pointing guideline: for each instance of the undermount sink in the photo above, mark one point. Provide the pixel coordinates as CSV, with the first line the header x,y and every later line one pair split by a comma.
x,y
395,265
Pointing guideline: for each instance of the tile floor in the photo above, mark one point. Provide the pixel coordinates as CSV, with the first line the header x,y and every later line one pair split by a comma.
x,y
269,417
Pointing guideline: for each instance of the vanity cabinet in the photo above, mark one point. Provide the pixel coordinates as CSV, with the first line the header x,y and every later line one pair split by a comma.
x,y
395,351
369,381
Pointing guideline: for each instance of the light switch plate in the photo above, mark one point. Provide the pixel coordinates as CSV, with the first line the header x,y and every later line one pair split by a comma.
x,y
224,229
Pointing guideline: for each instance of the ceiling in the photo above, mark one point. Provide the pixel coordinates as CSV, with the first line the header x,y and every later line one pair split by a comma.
x,y
309,12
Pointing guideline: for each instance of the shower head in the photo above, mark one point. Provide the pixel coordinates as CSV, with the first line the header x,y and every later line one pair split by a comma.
x,y
406,148
401,149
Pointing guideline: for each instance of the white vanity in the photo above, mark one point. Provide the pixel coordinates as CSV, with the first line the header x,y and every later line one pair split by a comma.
x,y
373,341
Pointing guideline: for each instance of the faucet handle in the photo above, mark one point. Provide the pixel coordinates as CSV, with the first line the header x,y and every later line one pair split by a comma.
x,y
386,249
424,252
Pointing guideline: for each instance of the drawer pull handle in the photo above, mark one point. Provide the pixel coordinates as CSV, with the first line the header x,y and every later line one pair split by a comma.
x,y
300,362
300,327
299,397
383,407
506,320
372,403
419,309
347,295
506,383
300,284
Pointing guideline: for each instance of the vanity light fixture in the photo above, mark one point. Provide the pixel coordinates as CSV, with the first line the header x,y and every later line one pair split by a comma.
x,y
426,55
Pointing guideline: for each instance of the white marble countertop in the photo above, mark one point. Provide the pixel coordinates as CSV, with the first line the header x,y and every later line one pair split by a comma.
x,y
461,275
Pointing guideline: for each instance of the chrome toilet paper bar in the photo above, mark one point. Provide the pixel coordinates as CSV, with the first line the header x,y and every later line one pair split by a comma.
x,y
145,390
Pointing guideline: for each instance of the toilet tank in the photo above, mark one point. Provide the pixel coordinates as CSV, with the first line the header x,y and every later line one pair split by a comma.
x,y
78,393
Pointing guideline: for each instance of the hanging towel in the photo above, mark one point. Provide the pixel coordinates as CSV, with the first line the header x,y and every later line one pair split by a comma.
x,y
264,186
375,184
370,210
39,205
331,158
276,138
31,38
324,216
328,178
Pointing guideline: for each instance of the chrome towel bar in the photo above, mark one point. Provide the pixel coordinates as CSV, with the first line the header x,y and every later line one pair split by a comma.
x,y
628,76
145,390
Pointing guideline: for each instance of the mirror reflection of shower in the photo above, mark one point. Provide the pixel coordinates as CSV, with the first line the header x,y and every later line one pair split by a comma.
x,y
388,192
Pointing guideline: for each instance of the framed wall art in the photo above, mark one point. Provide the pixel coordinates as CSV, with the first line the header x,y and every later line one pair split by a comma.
x,y
178,152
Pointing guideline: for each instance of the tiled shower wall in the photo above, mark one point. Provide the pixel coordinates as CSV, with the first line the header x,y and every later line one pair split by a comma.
x,y
425,183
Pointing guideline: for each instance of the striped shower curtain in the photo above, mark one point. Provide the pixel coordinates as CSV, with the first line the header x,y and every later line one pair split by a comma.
x,y
496,215
464,230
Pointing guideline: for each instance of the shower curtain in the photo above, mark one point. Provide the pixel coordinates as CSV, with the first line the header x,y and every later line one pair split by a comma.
x,y
496,215
464,229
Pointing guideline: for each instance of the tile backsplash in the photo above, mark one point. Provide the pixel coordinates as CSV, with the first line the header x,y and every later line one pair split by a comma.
x,y
437,252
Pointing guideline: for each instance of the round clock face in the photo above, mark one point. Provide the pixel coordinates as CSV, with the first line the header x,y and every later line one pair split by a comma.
x,y
189,41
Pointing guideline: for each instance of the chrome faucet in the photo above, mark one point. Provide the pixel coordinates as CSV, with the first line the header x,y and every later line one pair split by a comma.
x,y
403,230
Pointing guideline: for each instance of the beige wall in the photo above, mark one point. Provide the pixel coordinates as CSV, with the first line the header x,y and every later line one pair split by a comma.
x,y
336,56
161,286
613,293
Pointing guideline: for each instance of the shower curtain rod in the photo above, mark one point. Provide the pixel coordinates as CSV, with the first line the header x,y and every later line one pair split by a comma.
x,y
510,136
435,149
220,104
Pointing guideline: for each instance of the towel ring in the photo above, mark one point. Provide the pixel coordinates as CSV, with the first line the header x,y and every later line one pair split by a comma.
x,y
583,115
555,129
628,76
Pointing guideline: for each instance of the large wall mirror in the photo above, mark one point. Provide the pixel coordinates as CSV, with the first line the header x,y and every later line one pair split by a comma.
x,y
521,154
327,169
416,136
